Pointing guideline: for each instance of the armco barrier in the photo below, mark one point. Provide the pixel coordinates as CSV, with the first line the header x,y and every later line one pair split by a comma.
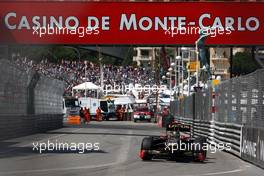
x,y
29,102
216,132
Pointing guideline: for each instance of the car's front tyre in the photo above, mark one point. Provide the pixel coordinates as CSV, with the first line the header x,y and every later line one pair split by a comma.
x,y
146,146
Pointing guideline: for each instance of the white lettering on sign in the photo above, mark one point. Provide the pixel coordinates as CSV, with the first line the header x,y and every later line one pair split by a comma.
x,y
23,23
125,23
71,19
145,20
243,24
249,148
105,23
94,22
7,23
14,21
147,23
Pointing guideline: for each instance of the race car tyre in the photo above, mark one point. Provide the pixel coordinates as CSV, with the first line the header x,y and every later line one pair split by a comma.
x,y
146,145
199,153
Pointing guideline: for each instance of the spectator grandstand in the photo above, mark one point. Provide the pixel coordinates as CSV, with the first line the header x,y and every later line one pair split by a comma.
x,y
73,72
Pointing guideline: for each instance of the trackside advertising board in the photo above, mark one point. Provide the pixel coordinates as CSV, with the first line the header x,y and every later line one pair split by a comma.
x,y
252,145
131,23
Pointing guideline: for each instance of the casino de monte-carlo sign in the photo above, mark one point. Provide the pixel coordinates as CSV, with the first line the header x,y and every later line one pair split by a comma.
x,y
131,23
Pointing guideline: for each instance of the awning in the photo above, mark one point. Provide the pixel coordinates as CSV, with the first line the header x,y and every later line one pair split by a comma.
x,y
86,86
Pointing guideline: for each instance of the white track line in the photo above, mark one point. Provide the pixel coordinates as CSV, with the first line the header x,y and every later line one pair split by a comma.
x,y
218,173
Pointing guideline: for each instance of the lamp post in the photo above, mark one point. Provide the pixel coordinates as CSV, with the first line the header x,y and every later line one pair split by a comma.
x,y
188,70
170,71
169,74
173,65
189,73
178,59
183,49
85,78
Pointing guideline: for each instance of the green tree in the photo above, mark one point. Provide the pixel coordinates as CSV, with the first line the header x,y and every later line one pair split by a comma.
x,y
53,53
32,52
61,52
128,60
243,63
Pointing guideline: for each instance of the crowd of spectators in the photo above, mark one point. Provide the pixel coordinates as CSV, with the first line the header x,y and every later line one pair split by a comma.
x,y
77,72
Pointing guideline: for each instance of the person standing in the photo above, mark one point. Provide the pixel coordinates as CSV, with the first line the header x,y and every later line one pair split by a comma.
x,y
98,114
82,114
86,115
123,111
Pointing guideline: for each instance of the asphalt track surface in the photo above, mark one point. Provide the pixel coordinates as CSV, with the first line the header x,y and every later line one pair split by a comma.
x,y
118,155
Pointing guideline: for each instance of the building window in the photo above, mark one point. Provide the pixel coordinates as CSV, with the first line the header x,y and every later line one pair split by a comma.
x,y
144,52
135,52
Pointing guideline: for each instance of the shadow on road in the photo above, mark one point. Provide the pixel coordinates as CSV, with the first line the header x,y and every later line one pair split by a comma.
x,y
102,125
12,151
101,134
183,159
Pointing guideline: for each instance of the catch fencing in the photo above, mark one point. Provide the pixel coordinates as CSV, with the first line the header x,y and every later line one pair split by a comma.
x,y
29,102
230,113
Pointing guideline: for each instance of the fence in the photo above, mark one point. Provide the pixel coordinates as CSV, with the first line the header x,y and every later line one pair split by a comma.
x,y
29,102
237,118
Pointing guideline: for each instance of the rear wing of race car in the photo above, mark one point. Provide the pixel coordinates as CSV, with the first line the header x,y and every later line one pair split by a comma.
x,y
179,127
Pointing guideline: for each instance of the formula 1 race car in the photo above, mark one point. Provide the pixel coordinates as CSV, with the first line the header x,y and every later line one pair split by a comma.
x,y
174,145
142,114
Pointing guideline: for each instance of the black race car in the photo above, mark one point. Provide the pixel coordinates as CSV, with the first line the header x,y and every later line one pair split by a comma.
x,y
174,145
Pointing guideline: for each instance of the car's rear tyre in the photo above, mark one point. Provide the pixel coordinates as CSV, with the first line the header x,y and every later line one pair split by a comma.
x,y
146,146
199,153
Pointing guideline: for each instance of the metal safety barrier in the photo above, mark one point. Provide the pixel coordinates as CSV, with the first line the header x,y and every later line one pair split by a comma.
x,y
216,132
